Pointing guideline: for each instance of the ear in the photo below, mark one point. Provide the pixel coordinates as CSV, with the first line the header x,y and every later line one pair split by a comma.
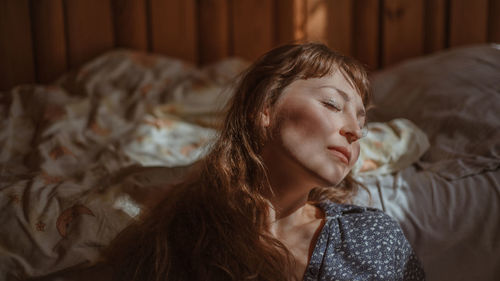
x,y
265,119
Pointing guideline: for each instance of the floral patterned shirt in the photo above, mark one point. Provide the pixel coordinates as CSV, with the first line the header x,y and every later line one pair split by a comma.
x,y
359,243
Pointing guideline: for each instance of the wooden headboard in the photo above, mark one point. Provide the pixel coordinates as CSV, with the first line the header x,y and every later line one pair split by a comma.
x,y
41,39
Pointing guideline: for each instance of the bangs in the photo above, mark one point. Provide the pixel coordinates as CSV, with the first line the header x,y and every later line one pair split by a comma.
x,y
316,61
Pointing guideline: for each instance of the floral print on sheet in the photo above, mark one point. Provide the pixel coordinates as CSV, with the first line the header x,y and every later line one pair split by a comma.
x,y
81,158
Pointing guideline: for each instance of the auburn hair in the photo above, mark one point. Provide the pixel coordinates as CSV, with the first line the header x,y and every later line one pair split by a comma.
x,y
215,226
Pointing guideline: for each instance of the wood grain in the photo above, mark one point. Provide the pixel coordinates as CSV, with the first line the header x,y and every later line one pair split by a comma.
x,y
366,32
494,21
16,49
130,24
339,31
290,21
41,39
403,30
174,28
50,39
89,29
468,22
253,27
435,25
316,21
214,30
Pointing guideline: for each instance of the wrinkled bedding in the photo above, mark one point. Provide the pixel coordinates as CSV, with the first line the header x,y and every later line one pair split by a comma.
x,y
83,157
454,98
448,203
390,147
453,226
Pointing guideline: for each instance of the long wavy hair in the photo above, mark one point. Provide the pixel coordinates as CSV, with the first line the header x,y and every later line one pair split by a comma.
x,y
215,225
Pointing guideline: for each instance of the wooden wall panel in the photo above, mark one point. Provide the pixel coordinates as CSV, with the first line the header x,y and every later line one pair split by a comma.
x,y
16,50
330,22
41,39
49,38
130,24
174,28
403,27
435,25
339,28
253,32
494,21
366,32
290,21
214,30
89,29
316,20
468,22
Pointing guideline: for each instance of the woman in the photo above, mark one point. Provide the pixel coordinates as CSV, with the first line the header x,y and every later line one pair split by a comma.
x,y
265,203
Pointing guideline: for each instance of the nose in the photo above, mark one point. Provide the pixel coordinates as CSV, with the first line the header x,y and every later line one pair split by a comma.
x,y
352,132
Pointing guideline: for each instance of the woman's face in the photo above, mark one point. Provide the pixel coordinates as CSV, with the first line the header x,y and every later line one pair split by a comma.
x,y
315,125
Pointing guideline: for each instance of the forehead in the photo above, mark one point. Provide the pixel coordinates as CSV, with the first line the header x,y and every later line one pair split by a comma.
x,y
334,85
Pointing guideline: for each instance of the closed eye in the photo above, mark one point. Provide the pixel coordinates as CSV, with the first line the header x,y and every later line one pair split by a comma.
x,y
333,105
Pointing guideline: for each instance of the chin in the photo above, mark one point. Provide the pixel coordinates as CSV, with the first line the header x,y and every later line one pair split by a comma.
x,y
336,183
328,181
335,180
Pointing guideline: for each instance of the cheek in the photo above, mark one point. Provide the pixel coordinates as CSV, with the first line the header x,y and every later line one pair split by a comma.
x,y
305,120
299,130
355,153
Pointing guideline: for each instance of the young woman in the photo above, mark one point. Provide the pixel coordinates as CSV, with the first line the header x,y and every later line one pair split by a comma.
x,y
267,202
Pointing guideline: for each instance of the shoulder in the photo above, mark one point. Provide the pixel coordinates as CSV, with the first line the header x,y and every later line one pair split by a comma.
x,y
355,213
362,237
368,224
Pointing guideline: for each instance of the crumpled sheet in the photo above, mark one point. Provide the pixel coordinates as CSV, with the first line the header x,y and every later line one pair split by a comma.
x,y
390,147
83,157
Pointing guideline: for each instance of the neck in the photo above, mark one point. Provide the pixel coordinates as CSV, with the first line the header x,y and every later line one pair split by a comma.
x,y
291,189
287,199
289,210
291,184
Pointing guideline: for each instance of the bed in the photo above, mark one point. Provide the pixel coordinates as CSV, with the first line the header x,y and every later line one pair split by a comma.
x,y
84,156
448,201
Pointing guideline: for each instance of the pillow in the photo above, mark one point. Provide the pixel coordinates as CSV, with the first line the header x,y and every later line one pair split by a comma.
x,y
453,97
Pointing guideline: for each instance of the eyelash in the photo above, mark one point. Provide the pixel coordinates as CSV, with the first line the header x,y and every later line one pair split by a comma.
x,y
334,105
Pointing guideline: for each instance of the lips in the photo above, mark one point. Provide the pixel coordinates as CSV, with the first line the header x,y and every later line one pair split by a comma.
x,y
342,152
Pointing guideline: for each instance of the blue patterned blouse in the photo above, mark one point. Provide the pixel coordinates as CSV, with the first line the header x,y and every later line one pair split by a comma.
x,y
359,243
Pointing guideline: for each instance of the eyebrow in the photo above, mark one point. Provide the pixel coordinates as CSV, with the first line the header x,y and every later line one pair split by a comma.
x,y
345,96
